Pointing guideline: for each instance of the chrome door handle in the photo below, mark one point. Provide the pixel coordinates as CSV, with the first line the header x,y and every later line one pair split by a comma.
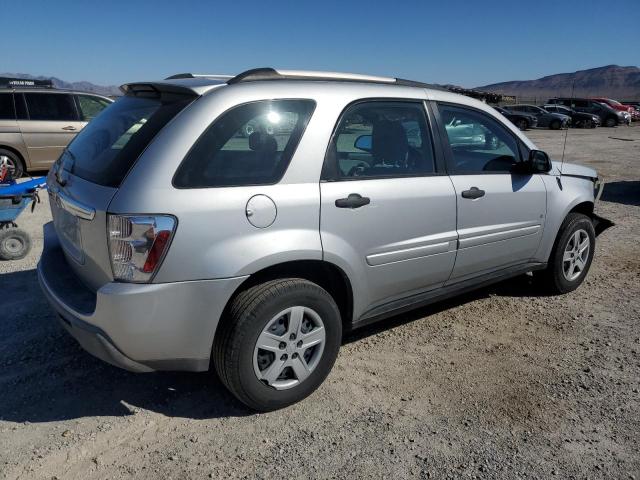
x,y
69,128
474,192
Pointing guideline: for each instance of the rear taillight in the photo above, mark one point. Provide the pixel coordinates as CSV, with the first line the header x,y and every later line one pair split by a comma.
x,y
137,245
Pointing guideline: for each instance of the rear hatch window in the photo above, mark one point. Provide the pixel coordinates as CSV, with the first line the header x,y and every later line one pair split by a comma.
x,y
105,150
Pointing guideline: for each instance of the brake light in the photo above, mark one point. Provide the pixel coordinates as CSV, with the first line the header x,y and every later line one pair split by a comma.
x,y
138,244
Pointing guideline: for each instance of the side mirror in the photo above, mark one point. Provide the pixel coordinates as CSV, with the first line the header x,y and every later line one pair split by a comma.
x,y
363,142
539,161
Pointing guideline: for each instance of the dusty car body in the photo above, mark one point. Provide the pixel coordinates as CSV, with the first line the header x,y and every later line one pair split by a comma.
x,y
189,247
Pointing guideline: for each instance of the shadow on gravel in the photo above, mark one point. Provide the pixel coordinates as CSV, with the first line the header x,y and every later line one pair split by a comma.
x,y
626,193
520,286
45,376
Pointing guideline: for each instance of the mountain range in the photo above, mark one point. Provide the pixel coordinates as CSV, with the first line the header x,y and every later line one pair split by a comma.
x,y
611,81
108,90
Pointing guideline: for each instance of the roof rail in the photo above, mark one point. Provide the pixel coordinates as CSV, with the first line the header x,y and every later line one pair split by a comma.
x,y
268,73
9,82
179,76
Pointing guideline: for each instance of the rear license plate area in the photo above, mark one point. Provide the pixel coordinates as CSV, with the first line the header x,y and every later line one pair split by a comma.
x,y
68,230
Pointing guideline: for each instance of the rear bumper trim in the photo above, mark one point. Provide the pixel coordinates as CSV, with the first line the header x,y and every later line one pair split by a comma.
x,y
138,327
97,343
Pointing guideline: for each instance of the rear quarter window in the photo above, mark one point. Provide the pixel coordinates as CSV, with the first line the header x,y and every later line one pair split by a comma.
x,y
251,144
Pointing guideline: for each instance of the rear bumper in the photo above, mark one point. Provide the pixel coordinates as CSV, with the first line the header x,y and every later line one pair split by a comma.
x,y
138,327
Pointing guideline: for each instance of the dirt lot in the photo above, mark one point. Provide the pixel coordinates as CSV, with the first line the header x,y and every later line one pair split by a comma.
x,y
501,383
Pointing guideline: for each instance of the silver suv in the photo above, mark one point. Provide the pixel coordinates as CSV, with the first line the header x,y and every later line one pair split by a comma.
x,y
183,240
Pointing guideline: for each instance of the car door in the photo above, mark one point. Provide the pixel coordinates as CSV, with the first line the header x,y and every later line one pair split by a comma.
x,y
500,213
52,122
387,208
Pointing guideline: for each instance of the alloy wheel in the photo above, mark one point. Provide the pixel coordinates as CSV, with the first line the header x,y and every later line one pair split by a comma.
x,y
576,255
289,348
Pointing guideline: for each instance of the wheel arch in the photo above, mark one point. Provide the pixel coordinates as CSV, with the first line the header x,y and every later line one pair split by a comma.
x,y
585,208
325,274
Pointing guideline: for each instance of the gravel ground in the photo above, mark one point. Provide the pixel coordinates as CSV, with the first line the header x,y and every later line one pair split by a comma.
x,y
500,383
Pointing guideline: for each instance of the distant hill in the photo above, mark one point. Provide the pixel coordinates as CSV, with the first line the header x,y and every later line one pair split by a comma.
x,y
109,90
613,81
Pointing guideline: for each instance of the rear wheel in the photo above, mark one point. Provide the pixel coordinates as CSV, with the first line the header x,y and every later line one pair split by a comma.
x,y
14,244
16,166
572,254
278,343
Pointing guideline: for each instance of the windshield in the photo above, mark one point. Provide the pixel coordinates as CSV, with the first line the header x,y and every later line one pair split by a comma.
x,y
105,150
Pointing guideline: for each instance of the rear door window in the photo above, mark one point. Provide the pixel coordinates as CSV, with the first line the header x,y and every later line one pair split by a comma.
x,y
51,106
380,139
7,112
105,150
251,144
91,106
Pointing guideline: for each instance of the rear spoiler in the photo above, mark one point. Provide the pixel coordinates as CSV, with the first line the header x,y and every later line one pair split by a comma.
x,y
155,89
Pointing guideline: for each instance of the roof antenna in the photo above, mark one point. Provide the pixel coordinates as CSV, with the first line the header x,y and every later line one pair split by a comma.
x,y
566,134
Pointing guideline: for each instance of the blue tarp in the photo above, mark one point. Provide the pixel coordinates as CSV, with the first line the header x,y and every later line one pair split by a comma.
x,y
22,188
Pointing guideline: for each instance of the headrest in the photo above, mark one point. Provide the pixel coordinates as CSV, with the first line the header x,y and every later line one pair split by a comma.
x,y
262,142
389,142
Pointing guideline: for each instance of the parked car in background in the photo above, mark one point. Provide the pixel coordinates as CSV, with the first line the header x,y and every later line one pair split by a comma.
x,y
613,104
192,248
554,121
522,120
635,110
37,123
578,119
609,117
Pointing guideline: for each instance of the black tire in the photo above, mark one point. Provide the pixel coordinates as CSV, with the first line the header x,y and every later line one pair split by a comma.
x,y
553,278
522,124
15,162
14,244
587,124
245,320
555,125
610,122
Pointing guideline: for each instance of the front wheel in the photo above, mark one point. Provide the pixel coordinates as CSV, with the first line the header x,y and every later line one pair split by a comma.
x,y
555,125
572,254
522,124
277,343
610,122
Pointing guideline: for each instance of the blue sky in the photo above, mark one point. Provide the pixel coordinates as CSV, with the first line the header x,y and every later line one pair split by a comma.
x,y
466,43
